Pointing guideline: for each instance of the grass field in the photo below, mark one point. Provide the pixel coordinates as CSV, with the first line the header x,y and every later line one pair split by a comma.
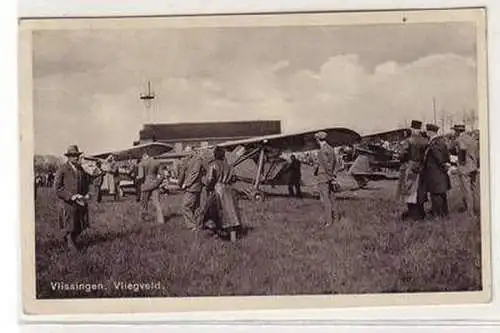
x,y
283,251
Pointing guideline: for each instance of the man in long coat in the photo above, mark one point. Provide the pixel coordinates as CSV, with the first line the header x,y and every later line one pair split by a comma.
x,y
72,185
410,187
325,175
191,171
435,172
220,205
151,179
465,147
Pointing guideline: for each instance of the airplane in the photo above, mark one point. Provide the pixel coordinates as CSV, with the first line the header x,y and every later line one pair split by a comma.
x,y
258,160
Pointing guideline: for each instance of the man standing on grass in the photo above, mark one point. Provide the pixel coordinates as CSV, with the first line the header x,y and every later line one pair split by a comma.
x,y
465,147
295,177
435,171
151,178
410,183
72,185
325,175
191,171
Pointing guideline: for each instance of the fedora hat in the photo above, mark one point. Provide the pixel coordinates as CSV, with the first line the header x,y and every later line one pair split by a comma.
x,y
432,128
460,128
73,151
416,124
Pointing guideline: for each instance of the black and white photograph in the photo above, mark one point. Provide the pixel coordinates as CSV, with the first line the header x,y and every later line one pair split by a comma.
x,y
228,157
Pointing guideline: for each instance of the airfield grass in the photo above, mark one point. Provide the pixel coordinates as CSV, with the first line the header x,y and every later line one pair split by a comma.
x,y
284,250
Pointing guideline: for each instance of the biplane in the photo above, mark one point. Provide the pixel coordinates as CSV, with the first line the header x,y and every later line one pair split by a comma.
x,y
376,157
258,161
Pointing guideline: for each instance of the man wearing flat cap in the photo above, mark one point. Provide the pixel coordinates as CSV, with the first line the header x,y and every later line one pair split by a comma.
x,y
467,150
435,172
410,186
325,175
72,185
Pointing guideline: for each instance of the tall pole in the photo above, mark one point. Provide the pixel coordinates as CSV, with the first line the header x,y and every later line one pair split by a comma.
x,y
434,109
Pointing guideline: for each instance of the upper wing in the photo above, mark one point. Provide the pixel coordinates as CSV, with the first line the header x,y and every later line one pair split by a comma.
x,y
152,149
293,142
296,142
393,135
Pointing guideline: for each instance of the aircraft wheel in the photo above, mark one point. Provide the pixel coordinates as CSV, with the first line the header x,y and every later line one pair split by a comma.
x,y
259,196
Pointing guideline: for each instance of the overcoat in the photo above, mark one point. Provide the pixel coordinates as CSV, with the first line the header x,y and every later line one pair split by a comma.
x,y
436,163
71,180
221,203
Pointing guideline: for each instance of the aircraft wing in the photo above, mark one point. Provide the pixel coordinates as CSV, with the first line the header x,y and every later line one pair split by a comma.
x,y
293,142
296,142
392,135
152,149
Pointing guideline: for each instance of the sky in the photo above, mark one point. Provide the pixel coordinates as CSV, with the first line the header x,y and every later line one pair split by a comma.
x,y
368,78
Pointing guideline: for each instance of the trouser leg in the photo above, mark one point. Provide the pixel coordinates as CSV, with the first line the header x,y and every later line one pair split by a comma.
x,y
439,204
444,200
155,198
137,192
190,205
290,190
326,200
435,204
298,191
145,202
99,194
466,191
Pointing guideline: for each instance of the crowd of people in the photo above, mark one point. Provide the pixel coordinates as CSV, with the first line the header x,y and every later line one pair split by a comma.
x,y
209,201
426,169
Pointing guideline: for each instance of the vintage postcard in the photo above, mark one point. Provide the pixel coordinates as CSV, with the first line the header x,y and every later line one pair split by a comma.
x,y
235,162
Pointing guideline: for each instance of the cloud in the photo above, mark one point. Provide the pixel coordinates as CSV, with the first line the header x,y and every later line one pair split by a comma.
x,y
306,77
343,92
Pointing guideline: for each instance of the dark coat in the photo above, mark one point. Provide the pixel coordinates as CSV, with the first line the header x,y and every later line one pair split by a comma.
x,y
435,176
68,182
294,172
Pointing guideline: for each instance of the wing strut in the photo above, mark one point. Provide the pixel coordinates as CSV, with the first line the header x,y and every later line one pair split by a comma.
x,y
259,170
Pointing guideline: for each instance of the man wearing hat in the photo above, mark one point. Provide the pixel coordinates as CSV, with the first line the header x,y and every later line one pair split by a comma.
x,y
72,185
410,187
325,175
465,147
435,172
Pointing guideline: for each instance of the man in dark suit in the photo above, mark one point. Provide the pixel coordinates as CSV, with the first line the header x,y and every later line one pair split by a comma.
x,y
72,185
435,171
325,175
